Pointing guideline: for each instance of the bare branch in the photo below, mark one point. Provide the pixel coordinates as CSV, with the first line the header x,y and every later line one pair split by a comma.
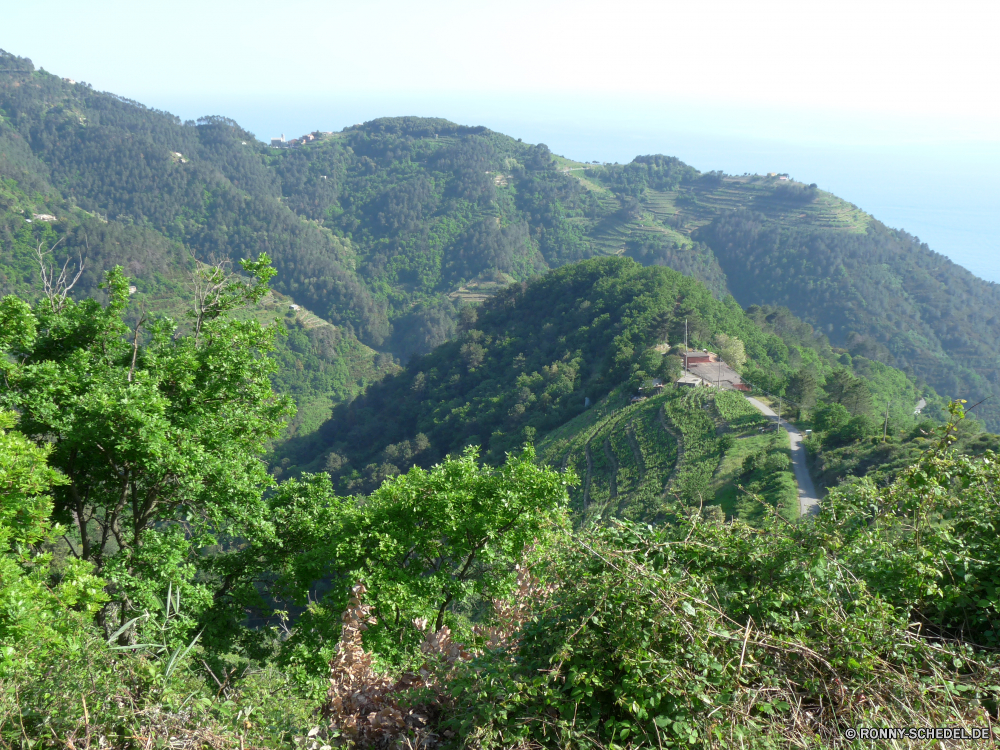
x,y
57,288
209,284
135,343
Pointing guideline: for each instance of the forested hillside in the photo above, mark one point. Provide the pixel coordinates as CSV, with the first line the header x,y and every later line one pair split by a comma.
x,y
386,229
558,359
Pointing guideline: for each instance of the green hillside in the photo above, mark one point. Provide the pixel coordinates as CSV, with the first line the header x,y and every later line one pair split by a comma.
x,y
158,586
387,229
638,460
557,360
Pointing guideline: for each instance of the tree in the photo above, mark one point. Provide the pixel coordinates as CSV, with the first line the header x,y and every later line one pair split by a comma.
x,y
427,544
34,615
731,350
831,417
158,431
802,387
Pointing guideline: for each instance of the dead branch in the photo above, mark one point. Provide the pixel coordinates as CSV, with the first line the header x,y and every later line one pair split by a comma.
x,y
57,287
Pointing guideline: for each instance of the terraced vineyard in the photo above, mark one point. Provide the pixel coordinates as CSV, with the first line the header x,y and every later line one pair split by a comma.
x,y
683,210
748,434
632,460
693,413
737,411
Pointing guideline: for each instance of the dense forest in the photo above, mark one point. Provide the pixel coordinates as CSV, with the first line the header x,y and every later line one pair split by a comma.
x,y
388,228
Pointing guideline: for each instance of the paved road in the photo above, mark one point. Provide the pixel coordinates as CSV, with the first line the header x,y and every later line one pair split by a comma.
x,y
808,499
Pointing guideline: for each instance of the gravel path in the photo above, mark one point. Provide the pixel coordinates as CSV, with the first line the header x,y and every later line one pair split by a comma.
x,y
808,499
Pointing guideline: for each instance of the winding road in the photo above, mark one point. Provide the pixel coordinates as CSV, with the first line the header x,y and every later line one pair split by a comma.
x,y
808,499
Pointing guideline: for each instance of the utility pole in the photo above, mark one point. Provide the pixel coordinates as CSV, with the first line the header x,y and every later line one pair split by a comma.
x,y
885,427
779,413
685,344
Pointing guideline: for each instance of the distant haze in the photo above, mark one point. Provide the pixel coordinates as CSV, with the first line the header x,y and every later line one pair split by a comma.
x,y
891,106
947,191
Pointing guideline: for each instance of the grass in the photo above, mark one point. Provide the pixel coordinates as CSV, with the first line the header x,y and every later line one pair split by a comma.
x,y
726,491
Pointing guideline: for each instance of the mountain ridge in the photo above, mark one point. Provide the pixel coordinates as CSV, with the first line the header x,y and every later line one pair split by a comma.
x,y
378,228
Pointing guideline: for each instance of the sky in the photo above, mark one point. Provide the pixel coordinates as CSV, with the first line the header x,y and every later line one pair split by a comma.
x,y
891,105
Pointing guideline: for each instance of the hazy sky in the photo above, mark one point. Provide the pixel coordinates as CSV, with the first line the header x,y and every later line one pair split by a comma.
x,y
923,59
827,91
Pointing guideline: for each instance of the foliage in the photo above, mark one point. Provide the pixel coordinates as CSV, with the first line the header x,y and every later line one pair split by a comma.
x,y
158,434
32,612
429,545
731,350
528,359
706,633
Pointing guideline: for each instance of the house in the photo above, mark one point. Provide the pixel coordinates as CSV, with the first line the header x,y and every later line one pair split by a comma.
x,y
783,177
772,174
293,306
694,357
742,387
44,217
132,289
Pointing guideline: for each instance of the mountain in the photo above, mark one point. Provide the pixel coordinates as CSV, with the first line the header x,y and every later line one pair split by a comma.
x,y
388,228
557,359
154,545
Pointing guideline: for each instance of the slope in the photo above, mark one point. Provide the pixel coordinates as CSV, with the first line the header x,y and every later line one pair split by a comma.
x,y
528,364
386,228
697,446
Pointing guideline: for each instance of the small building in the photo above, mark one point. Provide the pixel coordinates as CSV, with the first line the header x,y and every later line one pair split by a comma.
x,y
132,289
44,217
783,177
741,387
655,386
294,307
694,357
689,380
